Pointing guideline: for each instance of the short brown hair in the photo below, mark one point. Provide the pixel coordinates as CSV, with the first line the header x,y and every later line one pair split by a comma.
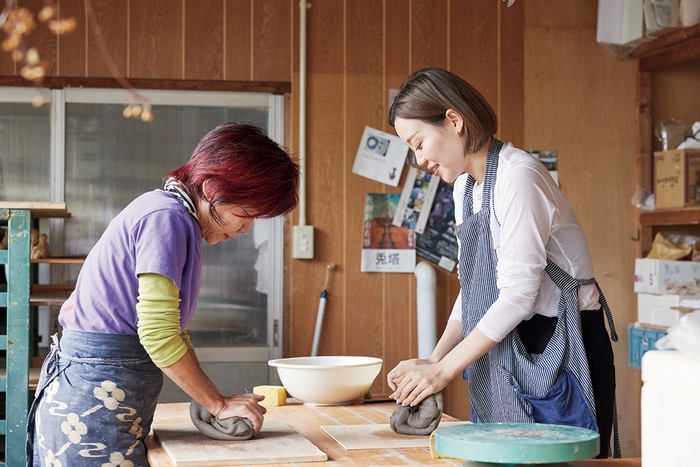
x,y
427,95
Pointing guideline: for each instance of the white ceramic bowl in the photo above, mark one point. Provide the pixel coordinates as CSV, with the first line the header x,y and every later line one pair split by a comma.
x,y
327,380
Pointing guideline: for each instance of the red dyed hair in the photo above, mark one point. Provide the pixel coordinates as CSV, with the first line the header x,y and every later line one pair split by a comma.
x,y
241,166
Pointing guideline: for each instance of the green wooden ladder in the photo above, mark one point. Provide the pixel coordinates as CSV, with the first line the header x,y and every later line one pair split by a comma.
x,y
15,340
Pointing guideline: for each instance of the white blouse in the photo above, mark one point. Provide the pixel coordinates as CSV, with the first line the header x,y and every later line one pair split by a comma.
x,y
537,222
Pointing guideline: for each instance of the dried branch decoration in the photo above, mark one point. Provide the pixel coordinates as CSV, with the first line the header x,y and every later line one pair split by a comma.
x,y
140,106
17,23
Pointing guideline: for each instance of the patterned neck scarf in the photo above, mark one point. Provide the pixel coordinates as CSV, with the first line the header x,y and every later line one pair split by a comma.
x,y
180,192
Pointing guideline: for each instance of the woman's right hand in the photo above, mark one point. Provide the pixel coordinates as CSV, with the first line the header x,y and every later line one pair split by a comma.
x,y
244,406
395,376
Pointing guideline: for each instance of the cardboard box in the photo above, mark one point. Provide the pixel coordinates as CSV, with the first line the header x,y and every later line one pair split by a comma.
x,y
659,310
676,178
659,276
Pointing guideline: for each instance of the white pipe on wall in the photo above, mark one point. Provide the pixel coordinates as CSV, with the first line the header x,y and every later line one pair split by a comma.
x,y
303,6
425,307
302,234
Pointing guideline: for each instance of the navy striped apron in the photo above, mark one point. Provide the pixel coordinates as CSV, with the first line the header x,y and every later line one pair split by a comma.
x,y
94,403
508,384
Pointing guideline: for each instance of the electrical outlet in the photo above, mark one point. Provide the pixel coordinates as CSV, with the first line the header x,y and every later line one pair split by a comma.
x,y
303,242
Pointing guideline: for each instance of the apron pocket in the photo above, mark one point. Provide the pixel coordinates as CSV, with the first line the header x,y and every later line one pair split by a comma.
x,y
564,404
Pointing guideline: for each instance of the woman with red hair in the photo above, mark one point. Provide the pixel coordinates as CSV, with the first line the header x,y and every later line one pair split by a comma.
x,y
124,325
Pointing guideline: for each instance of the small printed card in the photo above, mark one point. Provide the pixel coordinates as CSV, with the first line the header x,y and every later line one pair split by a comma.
x,y
416,199
385,246
438,242
381,156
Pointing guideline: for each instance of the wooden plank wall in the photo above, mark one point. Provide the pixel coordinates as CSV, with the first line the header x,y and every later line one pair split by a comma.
x,y
536,62
581,101
358,51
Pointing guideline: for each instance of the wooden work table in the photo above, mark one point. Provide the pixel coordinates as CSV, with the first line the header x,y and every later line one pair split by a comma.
x,y
307,421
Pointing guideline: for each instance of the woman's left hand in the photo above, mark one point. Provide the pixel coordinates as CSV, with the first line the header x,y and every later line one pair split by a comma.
x,y
395,376
418,382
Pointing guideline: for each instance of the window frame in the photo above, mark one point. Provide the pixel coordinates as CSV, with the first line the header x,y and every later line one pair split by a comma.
x,y
57,98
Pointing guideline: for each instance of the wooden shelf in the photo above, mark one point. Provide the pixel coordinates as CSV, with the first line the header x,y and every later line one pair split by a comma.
x,y
662,54
674,216
39,209
665,41
33,377
49,294
678,46
60,260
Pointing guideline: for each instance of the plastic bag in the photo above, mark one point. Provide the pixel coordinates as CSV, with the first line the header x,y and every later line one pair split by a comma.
x,y
661,248
692,142
643,199
671,133
683,336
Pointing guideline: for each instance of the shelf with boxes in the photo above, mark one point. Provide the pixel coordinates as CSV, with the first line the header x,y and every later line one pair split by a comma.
x,y
668,72
684,219
19,298
665,293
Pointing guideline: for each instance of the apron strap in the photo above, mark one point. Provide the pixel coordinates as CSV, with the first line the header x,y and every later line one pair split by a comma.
x,y
562,279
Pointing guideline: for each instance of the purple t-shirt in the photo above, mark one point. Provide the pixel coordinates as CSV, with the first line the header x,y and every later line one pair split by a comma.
x,y
153,234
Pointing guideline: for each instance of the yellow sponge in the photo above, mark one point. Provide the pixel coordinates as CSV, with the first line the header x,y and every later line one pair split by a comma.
x,y
274,395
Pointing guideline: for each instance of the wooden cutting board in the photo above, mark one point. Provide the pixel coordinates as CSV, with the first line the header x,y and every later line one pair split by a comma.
x,y
377,436
276,443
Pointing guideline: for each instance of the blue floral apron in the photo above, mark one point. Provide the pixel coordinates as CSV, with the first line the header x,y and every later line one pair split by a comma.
x,y
94,403
508,384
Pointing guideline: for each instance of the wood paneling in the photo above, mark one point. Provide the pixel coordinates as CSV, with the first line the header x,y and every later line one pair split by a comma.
x,y
204,39
398,325
396,53
238,40
41,38
369,315
71,47
271,29
511,68
7,65
325,177
171,84
111,19
156,39
474,26
429,34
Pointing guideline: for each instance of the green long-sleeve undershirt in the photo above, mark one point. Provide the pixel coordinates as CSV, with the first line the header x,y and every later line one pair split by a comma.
x,y
158,312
